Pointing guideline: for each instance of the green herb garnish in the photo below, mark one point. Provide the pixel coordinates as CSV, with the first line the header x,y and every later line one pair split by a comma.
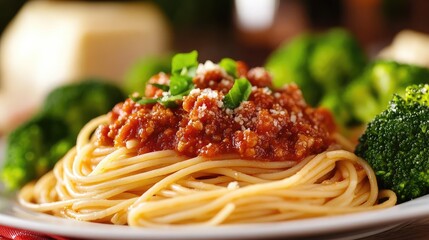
x,y
183,68
143,100
163,87
230,66
147,100
180,84
185,64
239,92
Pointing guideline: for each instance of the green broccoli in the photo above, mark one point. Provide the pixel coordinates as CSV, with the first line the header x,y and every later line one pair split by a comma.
x,y
334,103
321,64
76,104
34,147
336,60
370,93
395,144
289,64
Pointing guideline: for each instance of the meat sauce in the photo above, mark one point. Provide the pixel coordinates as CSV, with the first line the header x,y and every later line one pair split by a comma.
x,y
272,125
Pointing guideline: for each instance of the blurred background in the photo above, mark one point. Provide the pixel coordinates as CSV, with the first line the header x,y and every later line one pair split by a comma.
x,y
252,29
45,44
63,62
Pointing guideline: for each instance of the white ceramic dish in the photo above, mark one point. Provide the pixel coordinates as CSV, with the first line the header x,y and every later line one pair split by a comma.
x,y
336,227
339,227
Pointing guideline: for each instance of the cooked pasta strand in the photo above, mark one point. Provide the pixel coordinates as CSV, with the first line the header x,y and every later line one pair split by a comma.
x,y
101,184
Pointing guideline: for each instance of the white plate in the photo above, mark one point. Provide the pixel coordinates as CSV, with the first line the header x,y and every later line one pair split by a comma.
x,y
346,226
351,226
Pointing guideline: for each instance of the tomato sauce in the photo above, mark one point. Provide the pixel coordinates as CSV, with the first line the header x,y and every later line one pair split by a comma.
x,y
272,125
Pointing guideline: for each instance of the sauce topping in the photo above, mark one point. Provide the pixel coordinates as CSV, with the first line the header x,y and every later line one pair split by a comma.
x,y
271,125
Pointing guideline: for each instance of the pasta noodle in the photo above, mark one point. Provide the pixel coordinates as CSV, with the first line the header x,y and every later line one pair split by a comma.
x,y
117,185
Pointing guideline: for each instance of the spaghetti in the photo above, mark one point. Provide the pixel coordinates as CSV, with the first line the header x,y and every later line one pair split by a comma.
x,y
272,158
104,184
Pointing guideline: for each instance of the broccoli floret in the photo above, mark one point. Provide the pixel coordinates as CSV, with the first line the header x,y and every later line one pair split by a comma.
x,y
289,63
321,64
76,104
336,60
334,103
369,94
395,144
34,147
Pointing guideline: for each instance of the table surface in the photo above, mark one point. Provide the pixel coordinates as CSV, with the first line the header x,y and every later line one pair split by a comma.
x,y
415,230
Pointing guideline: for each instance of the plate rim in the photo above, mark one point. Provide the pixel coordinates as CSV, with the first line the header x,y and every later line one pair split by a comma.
x,y
14,215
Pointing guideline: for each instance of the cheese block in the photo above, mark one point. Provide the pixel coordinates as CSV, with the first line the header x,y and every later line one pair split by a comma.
x,y
50,43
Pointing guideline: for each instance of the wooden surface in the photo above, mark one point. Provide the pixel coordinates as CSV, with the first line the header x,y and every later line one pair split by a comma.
x,y
413,230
